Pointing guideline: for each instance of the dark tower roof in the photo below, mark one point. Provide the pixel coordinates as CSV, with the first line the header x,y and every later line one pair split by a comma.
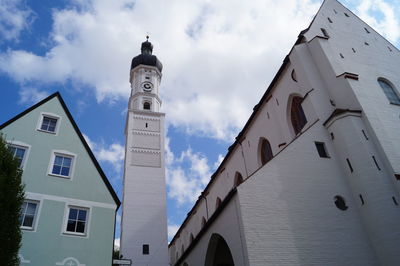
x,y
146,57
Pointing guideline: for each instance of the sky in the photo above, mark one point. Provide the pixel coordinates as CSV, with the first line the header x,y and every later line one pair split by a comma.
x,y
218,56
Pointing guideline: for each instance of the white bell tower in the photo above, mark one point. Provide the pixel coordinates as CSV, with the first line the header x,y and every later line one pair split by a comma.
x,y
144,222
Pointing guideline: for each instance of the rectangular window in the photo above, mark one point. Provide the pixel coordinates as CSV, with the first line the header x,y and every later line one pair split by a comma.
x,y
77,221
146,249
321,149
49,124
28,214
62,165
18,152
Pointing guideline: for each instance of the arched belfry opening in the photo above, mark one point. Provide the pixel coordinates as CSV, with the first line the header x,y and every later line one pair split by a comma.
x,y
218,252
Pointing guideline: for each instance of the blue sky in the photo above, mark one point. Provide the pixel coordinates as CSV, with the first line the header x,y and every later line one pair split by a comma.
x,y
218,57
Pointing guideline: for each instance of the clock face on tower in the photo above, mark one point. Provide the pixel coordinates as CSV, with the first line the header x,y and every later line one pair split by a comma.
x,y
147,86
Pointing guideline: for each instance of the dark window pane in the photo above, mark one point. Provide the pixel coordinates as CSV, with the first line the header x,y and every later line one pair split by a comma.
x,y
45,124
297,115
58,160
65,171
266,151
80,227
71,226
321,149
28,221
67,162
20,153
389,92
56,169
49,124
82,215
73,213
31,208
146,249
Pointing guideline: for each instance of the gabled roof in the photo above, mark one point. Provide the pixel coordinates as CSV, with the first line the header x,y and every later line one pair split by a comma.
x,y
78,132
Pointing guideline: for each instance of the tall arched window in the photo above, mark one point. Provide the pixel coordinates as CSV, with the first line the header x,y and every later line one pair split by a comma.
x,y
388,89
238,179
297,116
146,106
265,151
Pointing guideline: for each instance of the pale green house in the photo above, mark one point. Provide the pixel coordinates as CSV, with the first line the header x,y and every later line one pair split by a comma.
x,y
69,214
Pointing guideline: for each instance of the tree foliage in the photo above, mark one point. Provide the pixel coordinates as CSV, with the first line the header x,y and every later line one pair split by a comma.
x,y
11,199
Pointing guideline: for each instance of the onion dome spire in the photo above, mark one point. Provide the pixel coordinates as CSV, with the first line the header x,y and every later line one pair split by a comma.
x,y
146,57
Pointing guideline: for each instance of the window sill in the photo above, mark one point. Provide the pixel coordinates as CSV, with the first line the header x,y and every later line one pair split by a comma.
x,y
74,234
31,229
45,131
60,176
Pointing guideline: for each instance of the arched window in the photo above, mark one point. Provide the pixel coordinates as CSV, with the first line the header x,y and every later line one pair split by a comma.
x,y
191,237
265,151
217,202
146,106
297,116
238,179
388,89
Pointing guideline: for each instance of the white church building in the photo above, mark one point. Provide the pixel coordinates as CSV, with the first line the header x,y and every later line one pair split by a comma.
x,y
313,178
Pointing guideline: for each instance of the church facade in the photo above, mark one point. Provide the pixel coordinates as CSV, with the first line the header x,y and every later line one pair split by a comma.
x,y
313,178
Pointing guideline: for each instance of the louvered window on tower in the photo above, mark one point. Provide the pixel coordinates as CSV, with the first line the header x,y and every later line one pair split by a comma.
x,y
389,91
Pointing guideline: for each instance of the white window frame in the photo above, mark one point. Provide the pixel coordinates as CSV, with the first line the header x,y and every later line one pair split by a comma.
x,y
20,144
50,115
64,231
64,154
36,217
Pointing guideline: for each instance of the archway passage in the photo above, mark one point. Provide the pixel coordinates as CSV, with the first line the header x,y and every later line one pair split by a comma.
x,y
218,252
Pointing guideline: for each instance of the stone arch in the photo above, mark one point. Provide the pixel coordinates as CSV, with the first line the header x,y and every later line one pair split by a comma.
x,y
218,252
295,113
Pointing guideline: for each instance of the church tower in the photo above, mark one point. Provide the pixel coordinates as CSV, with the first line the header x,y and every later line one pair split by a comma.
x,y
144,223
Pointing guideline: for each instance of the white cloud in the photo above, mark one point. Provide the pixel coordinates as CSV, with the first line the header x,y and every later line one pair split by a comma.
x,y
382,16
186,174
28,95
218,56
14,18
219,161
113,154
172,229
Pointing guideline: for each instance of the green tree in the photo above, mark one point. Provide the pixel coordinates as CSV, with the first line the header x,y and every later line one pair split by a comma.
x,y
11,199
